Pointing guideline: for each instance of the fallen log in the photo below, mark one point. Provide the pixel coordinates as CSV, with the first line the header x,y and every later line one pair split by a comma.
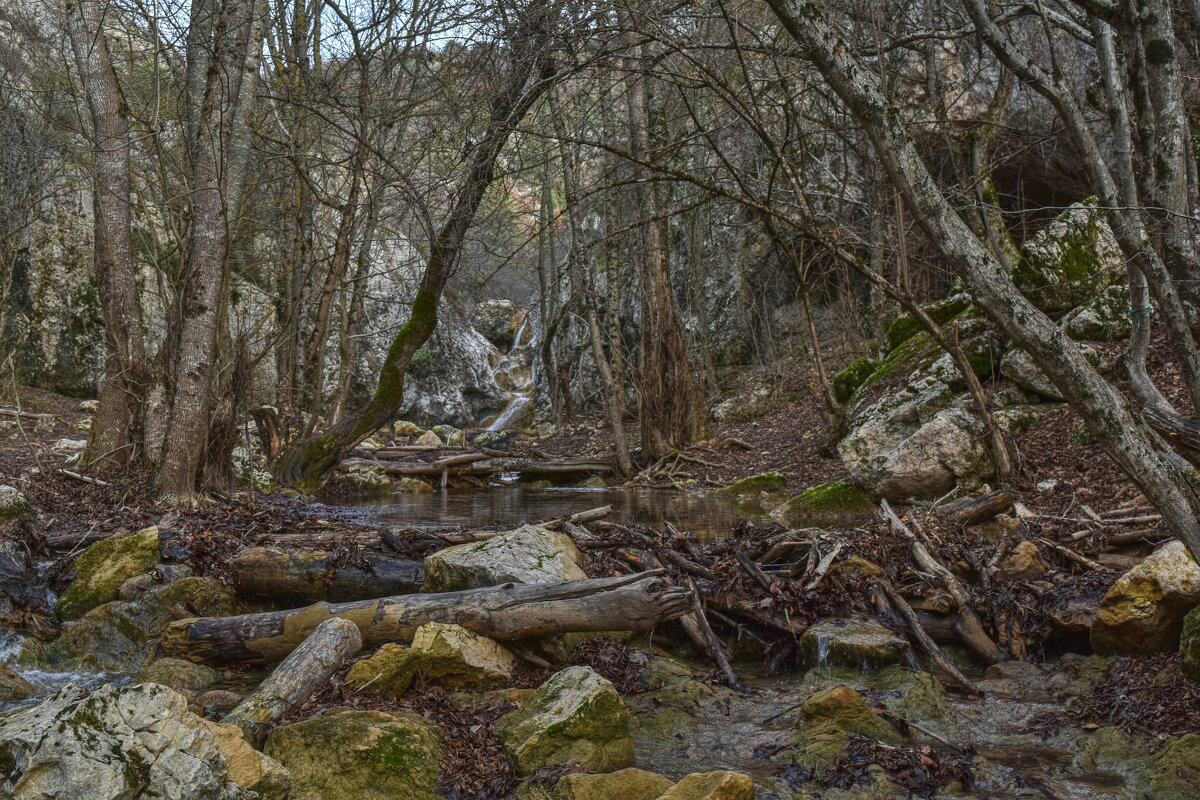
x,y
976,508
923,639
313,575
295,679
507,612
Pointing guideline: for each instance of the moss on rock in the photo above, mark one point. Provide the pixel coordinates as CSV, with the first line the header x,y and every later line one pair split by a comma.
x,y
625,784
763,482
846,382
830,505
1189,644
103,567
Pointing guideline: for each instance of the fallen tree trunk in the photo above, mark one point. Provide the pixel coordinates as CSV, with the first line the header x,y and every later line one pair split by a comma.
x,y
313,575
976,508
507,612
299,675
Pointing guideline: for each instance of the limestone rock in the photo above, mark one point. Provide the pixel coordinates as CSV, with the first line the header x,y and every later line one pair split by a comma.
x,y
345,754
102,569
1024,563
429,439
1019,367
830,505
369,480
1143,611
175,673
13,687
497,321
625,784
114,744
1071,259
828,717
712,786
530,554
246,766
161,575
1105,318
403,427
13,504
216,703
1175,769
1189,643
447,655
574,716
858,643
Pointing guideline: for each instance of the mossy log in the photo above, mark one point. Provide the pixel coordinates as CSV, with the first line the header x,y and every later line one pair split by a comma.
x,y
311,575
507,612
299,675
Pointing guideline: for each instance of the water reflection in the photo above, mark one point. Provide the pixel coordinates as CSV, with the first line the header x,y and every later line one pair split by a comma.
x,y
509,506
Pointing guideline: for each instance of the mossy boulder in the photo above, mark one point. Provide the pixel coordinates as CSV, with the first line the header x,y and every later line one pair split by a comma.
x,y
856,642
408,485
1143,611
447,655
178,674
118,636
905,327
1104,318
103,567
625,784
371,481
13,504
345,754
830,505
1175,769
753,485
723,785
162,575
1070,260
1189,644
828,718
576,715
846,382
530,554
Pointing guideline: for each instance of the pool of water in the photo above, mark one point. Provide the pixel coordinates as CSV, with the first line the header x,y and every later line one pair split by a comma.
x,y
707,517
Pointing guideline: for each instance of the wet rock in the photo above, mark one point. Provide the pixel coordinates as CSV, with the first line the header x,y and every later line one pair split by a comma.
x,y
24,598
857,642
13,687
916,441
161,575
175,673
103,567
408,485
446,655
1143,611
1024,681
1070,260
497,321
753,485
828,718
574,716
114,744
1175,769
13,504
1024,563
1189,644
712,786
344,754
1070,616
830,505
369,480
430,439
530,554
625,784
118,636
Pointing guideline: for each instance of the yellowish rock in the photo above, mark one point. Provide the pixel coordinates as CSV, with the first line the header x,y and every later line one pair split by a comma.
x,y
482,660
403,427
712,786
625,784
1143,611
1024,563
247,767
429,439
408,485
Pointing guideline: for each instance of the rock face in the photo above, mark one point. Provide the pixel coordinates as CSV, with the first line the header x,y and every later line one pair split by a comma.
x,y
917,442
450,378
103,567
360,755
447,655
574,716
497,320
625,784
114,744
529,554
830,505
1143,612
1069,260
857,643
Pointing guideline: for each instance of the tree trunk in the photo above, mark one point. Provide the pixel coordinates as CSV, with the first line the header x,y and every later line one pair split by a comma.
x,y
299,675
508,612
312,575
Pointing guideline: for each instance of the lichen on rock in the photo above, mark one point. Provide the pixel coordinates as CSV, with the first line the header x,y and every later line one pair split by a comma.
x,y
530,554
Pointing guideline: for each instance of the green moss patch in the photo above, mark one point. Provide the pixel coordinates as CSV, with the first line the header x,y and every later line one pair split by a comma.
x,y
103,567
846,382
830,505
763,482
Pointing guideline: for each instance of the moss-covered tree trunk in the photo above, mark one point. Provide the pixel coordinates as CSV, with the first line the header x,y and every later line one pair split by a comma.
x,y
528,74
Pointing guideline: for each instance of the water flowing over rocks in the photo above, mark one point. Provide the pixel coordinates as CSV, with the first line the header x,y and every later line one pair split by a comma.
x,y
857,643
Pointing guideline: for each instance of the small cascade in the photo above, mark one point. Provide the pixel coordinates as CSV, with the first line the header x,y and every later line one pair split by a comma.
x,y
513,373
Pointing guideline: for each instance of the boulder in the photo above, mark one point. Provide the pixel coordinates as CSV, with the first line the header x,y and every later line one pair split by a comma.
x,y
447,655
574,716
429,439
139,741
1175,769
368,480
216,703
712,786
753,485
345,754
1105,318
13,504
1024,563
103,567
177,674
450,379
857,643
530,554
403,427
13,687
497,320
830,505
162,575
1143,611
625,784
1189,644
916,441
1070,260
118,636
408,485
1019,367
829,717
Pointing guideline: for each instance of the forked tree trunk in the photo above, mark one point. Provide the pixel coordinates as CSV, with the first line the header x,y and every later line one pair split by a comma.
x,y
507,612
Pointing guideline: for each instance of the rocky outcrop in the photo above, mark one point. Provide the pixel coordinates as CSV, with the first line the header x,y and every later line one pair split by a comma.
x,y
497,321
857,643
446,655
1104,318
1070,260
345,754
103,567
530,554
1143,611
139,741
574,716
13,504
450,378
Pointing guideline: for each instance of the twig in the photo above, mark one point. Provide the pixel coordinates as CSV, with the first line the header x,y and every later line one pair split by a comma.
x,y
923,639
84,478
1083,561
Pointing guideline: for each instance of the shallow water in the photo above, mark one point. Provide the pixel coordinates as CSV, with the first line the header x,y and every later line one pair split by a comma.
x,y
707,517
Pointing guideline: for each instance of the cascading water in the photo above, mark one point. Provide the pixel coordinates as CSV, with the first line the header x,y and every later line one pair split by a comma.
x,y
521,393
